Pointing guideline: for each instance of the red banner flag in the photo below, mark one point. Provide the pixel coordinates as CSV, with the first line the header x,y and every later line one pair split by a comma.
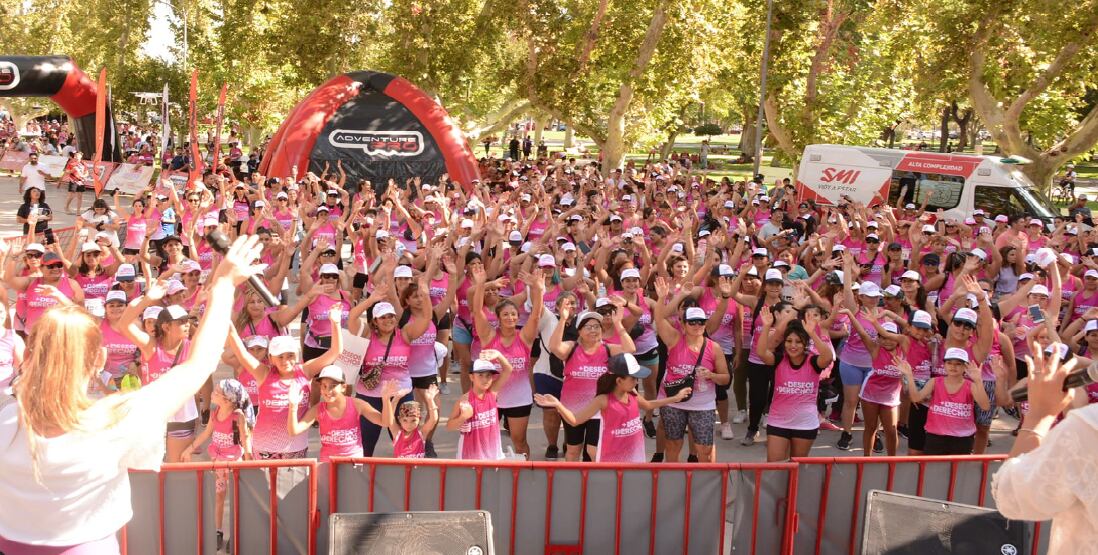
x,y
216,156
196,155
100,128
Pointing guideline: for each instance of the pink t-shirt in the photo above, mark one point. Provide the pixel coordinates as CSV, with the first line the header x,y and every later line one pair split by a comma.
x,y
121,352
319,325
339,437
794,403
394,366
621,436
581,375
479,440
951,414
222,447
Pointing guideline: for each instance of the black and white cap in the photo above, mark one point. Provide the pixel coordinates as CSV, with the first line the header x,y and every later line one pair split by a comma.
x,y
625,364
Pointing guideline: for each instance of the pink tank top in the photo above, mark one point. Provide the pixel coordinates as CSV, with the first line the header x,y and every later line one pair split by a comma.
x,y
479,440
883,384
339,437
621,436
319,325
951,413
516,392
264,326
1083,302
409,445
581,375
681,360
794,404
121,352
438,288
136,230
37,304
421,360
271,435
161,363
918,356
725,336
393,367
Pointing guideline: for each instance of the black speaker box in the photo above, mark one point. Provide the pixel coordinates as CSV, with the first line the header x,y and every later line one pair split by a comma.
x,y
420,533
897,524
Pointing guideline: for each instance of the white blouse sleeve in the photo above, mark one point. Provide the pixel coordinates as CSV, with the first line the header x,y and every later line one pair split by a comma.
x,y
1046,481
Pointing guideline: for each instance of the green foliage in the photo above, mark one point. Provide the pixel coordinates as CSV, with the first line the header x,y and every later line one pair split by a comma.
x,y
708,129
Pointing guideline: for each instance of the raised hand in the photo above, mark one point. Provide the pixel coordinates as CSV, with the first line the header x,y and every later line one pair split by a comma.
x,y
767,316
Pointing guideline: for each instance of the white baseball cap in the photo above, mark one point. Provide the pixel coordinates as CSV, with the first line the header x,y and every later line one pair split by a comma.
x,y
402,272
1091,274
175,286
979,253
257,341
90,247
467,223
480,365
869,289
119,296
1039,290
911,274
725,270
329,269
694,313
601,302
773,274
922,320
382,309
151,313
569,246
36,247
547,261
1092,325
928,228
760,251
381,234
955,353
332,372
630,273
890,327
966,315
281,345
515,236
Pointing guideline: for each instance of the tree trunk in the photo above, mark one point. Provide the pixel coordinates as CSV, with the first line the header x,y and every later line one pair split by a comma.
x,y
777,132
962,122
569,136
499,119
747,136
540,122
944,140
1042,170
665,151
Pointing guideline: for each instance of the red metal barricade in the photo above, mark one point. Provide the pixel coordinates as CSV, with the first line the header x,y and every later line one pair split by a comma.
x,y
234,468
584,469
891,465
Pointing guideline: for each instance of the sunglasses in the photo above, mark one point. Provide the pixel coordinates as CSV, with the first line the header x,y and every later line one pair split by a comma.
x,y
54,266
33,255
964,324
329,276
695,322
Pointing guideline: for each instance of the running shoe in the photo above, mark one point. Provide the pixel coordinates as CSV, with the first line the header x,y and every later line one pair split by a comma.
x,y
878,445
740,417
750,438
826,424
649,427
902,430
552,453
429,450
444,388
692,458
220,540
726,431
657,458
844,441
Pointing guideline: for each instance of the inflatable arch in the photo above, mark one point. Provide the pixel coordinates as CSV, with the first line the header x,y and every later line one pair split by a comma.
x,y
63,82
378,125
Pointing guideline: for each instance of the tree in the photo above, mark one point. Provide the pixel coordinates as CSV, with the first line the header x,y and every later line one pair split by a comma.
x,y
1045,59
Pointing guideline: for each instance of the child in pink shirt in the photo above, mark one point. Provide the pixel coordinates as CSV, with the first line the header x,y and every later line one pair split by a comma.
x,y
337,414
476,415
409,430
950,422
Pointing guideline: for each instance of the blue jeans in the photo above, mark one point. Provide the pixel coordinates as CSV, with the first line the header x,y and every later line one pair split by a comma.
x,y
370,431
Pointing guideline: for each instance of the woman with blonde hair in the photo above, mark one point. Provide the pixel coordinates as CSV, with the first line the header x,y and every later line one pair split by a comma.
x,y
66,457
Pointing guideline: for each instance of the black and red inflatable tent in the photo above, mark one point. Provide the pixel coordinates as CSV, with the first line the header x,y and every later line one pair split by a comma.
x,y
379,125
63,82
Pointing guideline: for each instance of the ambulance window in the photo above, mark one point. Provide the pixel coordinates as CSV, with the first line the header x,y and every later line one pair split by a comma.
x,y
997,200
944,191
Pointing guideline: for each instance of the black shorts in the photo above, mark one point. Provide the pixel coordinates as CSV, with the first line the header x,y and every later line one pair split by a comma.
x,y
74,187
359,281
948,445
130,252
722,390
516,412
587,433
791,434
445,323
424,382
916,426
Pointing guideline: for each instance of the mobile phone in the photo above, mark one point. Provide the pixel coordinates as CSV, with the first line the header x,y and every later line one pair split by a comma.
x,y
50,239
1035,314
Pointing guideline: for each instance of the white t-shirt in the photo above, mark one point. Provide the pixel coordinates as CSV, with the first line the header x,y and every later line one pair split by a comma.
x,y
85,489
34,179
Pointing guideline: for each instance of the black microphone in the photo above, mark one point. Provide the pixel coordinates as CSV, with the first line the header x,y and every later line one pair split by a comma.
x,y
220,243
1079,377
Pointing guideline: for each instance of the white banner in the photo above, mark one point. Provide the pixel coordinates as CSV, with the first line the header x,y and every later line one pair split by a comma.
x,y
350,360
53,165
130,178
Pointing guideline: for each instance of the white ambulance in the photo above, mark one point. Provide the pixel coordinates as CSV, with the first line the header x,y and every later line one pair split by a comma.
x,y
955,183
